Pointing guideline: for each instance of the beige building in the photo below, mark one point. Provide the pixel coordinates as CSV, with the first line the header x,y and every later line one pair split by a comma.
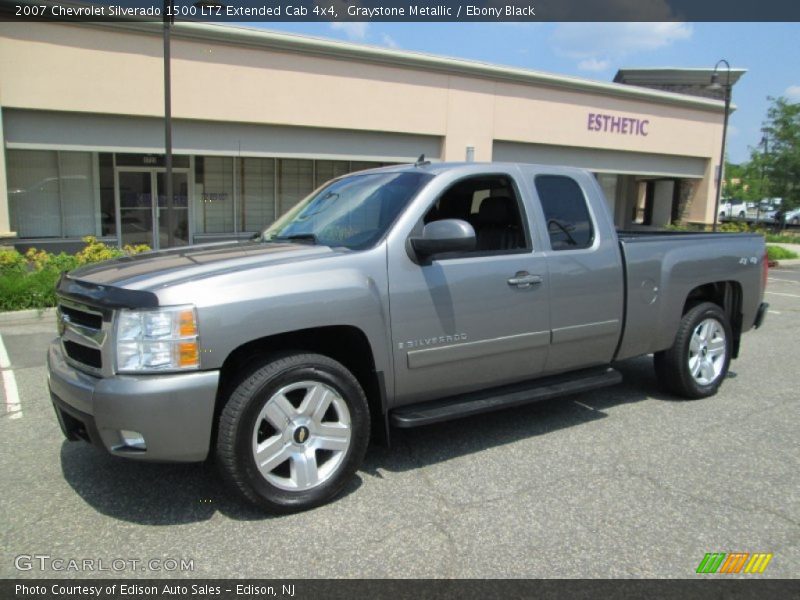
x,y
261,119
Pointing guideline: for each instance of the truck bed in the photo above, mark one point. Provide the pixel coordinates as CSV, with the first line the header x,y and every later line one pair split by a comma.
x,y
663,268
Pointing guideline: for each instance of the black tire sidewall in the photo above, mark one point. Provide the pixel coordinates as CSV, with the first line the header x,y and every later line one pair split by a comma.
x,y
308,368
693,318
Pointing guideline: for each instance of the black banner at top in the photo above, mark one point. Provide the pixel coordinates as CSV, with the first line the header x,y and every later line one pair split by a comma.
x,y
221,11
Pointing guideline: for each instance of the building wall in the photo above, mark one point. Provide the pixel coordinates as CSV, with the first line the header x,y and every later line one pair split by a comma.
x,y
104,71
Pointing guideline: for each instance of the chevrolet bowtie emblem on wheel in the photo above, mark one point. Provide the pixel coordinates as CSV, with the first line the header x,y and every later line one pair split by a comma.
x,y
301,434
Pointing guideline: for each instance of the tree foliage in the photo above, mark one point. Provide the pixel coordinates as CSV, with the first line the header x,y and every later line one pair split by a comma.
x,y
782,162
776,173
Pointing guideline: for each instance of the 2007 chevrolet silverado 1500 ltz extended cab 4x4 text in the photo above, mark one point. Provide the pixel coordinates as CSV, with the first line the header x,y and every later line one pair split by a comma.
x,y
395,297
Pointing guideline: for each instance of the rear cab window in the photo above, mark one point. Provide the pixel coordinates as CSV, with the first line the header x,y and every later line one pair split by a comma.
x,y
566,213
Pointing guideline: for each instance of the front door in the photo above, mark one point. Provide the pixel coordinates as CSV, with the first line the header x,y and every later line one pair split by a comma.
x,y
479,319
144,221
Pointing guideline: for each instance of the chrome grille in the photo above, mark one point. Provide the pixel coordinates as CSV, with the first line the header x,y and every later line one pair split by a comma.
x,y
83,332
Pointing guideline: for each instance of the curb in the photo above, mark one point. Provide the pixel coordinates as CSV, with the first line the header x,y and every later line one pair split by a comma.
x,y
788,262
19,316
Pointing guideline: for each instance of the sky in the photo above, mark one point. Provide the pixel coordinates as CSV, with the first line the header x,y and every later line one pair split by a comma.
x,y
769,52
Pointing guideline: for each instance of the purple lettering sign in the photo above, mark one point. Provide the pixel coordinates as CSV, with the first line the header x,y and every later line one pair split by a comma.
x,y
617,124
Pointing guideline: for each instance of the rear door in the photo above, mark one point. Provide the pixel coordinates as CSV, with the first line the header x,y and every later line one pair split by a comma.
x,y
474,320
586,285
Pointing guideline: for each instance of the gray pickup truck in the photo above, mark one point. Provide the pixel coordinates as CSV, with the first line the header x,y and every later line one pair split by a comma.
x,y
395,297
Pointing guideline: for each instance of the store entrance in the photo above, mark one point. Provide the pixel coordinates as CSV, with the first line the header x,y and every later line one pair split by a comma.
x,y
142,210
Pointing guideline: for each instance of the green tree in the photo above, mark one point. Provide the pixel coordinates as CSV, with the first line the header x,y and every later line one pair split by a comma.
x,y
745,181
782,162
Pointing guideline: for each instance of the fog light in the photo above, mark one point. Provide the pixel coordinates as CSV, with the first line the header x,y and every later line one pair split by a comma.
x,y
133,439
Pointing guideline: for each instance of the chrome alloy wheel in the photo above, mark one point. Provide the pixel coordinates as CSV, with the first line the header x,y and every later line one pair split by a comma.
x,y
707,350
301,436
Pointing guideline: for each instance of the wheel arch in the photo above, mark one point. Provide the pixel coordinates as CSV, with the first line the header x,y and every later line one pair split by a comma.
x,y
728,296
345,344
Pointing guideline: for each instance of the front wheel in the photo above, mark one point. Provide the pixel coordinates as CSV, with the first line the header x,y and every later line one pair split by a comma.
x,y
698,360
294,432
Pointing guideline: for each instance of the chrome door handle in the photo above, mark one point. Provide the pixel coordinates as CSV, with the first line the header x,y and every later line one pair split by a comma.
x,y
524,280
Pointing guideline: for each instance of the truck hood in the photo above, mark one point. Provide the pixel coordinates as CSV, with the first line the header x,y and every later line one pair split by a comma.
x,y
152,270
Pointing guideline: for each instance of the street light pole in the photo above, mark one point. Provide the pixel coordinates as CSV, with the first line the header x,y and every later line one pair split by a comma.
x,y
765,142
715,85
168,125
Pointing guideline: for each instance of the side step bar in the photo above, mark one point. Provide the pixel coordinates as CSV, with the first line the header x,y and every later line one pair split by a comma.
x,y
517,394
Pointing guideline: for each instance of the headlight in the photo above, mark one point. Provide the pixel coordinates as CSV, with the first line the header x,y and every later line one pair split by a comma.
x,y
162,339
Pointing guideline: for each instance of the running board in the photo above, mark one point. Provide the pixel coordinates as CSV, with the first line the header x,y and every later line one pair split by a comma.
x,y
517,394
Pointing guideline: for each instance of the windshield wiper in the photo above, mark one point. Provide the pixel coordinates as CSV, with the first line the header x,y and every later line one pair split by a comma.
x,y
297,237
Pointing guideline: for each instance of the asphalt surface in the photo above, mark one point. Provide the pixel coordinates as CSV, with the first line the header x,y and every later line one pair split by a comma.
x,y
622,482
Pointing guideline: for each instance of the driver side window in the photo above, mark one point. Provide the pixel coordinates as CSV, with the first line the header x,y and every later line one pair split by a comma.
x,y
491,205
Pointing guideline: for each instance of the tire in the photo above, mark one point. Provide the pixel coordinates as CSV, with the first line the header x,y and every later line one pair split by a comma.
x,y
695,368
742,215
307,419
796,221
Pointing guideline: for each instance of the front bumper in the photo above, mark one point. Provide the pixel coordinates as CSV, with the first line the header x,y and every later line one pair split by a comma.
x,y
173,412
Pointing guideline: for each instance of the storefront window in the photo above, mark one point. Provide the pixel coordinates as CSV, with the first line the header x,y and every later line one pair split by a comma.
x,y
325,170
213,192
52,194
295,182
256,193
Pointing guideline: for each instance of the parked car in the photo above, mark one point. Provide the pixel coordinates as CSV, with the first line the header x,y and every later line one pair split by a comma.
x,y
732,209
394,297
793,217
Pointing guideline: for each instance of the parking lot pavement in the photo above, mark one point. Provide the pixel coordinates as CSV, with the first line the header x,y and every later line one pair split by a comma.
x,y
621,482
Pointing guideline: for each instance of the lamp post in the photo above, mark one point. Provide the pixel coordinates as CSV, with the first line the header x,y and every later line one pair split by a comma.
x,y
765,143
168,20
715,85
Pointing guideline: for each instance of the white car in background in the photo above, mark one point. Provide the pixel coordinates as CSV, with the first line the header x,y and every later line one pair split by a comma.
x,y
793,217
732,209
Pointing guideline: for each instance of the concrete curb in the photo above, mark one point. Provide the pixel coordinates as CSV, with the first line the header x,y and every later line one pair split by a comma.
x,y
789,262
18,316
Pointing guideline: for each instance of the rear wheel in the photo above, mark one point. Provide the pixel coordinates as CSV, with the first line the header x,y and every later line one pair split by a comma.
x,y
698,360
294,432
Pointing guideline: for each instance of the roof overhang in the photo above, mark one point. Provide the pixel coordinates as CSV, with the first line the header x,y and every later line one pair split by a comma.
x,y
299,44
674,76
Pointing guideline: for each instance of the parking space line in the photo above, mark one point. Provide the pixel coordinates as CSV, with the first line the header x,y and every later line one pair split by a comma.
x,y
13,405
784,280
781,294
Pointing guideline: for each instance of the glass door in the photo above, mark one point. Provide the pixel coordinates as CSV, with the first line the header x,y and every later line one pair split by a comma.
x,y
142,221
136,207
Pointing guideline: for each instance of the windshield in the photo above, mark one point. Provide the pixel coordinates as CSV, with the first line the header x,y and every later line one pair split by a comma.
x,y
353,212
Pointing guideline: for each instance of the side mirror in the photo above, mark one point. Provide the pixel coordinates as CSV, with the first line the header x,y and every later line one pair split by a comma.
x,y
447,235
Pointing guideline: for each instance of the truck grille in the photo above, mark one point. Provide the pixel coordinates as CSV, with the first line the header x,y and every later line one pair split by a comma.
x,y
87,319
84,354
83,334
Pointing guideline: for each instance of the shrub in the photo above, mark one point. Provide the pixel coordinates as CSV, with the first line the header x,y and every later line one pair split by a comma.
x,y
779,253
742,227
35,289
11,260
29,280
783,238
